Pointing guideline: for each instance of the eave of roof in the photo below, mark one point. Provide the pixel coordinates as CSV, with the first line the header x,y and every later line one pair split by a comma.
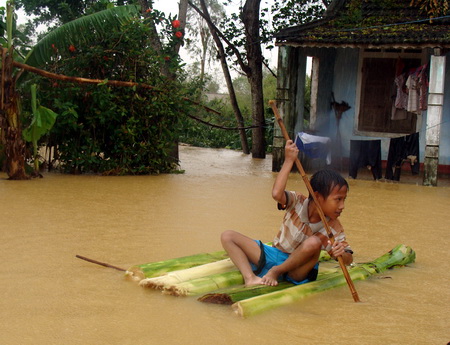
x,y
396,25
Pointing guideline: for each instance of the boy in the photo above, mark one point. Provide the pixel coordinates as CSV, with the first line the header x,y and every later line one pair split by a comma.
x,y
296,248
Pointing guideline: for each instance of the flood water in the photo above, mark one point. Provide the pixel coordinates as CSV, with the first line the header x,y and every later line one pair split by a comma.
x,y
50,297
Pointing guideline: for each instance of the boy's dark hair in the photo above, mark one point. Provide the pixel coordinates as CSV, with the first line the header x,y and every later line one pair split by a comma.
x,y
323,181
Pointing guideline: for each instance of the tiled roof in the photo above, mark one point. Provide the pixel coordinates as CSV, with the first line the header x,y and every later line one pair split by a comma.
x,y
370,23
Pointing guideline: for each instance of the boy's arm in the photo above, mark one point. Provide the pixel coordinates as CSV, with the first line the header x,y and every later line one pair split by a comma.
x,y
279,186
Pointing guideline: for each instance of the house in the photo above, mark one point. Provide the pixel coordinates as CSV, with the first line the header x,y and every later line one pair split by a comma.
x,y
380,79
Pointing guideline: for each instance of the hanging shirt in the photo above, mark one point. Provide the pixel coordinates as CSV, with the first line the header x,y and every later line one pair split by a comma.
x,y
422,85
413,94
401,100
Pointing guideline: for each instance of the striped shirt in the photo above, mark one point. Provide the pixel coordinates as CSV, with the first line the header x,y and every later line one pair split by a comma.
x,y
296,227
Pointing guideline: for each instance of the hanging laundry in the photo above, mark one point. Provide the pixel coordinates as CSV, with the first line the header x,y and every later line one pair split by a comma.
x,y
365,153
422,85
411,90
417,89
402,150
401,100
413,94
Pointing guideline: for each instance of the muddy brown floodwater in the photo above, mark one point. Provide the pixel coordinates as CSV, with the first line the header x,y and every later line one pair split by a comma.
x,y
50,297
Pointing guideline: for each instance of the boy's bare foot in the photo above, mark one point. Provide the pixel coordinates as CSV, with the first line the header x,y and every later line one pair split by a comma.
x,y
271,278
252,281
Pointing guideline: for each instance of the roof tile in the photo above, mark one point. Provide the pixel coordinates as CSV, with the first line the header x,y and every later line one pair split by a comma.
x,y
376,23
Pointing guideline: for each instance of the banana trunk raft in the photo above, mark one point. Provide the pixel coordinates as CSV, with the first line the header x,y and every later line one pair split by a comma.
x,y
214,279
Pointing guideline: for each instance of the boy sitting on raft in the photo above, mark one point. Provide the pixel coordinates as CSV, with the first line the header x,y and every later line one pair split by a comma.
x,y
296,248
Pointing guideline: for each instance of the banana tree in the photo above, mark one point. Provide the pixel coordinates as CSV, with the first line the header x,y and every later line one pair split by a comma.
x,y
10,124
41,123
13,76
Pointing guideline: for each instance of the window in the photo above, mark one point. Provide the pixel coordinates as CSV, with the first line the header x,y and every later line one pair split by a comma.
x,y
377,92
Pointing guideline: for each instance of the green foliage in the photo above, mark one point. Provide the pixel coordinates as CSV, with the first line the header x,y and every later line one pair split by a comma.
x,y
294,12
81,31
284,13
114,130
63,11
20,40
42,122
202,135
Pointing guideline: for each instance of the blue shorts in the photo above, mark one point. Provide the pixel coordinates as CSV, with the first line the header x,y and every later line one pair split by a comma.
x,y
272,256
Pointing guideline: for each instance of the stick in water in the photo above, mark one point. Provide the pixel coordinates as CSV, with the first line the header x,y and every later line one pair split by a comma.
x,y
319,209
100,263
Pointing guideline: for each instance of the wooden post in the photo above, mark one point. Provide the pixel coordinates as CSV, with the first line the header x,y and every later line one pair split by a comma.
x,y
434,118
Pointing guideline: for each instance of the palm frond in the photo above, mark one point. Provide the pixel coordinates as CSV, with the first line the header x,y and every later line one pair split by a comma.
x,y
79,31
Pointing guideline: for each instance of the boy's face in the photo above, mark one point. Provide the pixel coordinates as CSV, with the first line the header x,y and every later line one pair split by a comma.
x,y
333,205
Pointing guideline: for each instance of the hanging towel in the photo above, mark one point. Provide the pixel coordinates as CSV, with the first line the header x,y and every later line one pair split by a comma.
x,y
314,146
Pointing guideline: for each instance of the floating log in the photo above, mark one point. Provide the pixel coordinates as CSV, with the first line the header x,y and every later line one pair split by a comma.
x,y
155,269
160,268
175,277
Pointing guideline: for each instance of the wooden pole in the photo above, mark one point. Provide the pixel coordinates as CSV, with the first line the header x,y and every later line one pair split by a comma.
x,y
319,209
100,263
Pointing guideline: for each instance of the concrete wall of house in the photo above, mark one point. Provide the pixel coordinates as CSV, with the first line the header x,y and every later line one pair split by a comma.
x,y
344,88
339,75
326,58
290,91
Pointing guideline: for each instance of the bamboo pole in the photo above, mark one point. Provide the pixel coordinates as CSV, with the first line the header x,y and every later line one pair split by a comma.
x,y
319,208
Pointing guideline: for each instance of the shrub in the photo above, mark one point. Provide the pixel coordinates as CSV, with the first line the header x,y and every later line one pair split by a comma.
x,y
115,130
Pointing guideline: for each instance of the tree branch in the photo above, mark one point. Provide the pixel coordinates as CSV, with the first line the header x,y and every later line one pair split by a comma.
x,y
218,126
236,52
119,83
270,70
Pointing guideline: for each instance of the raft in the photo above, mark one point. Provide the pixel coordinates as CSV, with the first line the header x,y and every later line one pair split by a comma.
x,y
212,278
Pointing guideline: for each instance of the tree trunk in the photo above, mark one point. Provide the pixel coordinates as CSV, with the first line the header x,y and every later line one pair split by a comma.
x,y
182,14
250,18
226,72
204,40
10,125
157,46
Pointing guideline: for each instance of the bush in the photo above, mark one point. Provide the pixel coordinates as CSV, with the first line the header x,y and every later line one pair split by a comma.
x,y
115,130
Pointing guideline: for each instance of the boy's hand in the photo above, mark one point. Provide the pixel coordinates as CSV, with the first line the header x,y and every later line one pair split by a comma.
x,y
290,151
337,249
